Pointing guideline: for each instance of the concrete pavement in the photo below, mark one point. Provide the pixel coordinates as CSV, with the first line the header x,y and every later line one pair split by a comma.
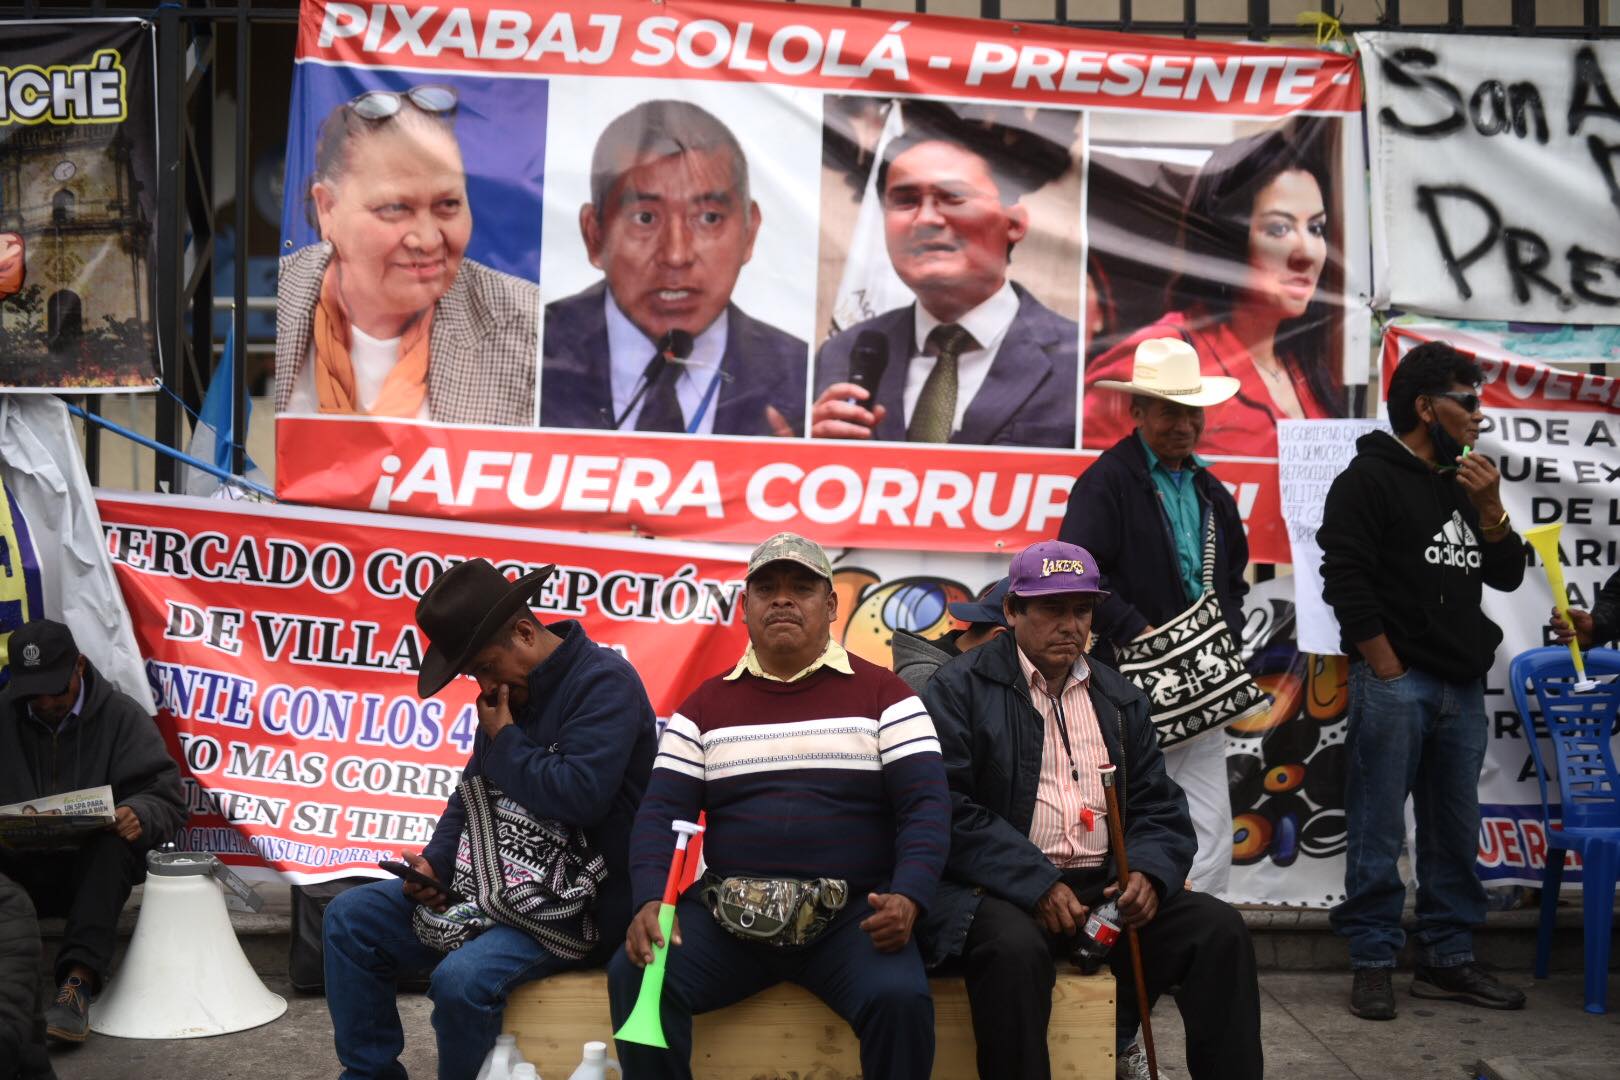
x,y
1307,1030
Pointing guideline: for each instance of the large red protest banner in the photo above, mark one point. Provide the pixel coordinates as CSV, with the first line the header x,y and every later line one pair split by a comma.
x,y
282,650
732,490
871,51
681,268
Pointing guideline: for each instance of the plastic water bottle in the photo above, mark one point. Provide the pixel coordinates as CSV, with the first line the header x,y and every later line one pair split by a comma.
x,y
1098,937
525,1071
502,1060
596,1065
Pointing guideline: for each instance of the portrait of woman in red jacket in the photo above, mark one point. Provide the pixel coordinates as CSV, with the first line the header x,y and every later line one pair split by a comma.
x,y
1257,268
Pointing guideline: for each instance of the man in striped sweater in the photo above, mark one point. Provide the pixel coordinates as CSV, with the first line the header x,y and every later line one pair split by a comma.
x,y
813,766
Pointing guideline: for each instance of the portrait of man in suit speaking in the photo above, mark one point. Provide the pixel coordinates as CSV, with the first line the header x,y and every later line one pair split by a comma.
x,y
976,359
658,345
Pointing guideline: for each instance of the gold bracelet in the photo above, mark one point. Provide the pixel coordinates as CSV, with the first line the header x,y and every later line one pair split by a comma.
x,y
1501,523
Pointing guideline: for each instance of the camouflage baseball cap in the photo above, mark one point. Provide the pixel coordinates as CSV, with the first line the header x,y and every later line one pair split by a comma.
x,y
791,547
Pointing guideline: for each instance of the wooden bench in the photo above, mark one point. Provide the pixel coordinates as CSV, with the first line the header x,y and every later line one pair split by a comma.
x,y
785,1033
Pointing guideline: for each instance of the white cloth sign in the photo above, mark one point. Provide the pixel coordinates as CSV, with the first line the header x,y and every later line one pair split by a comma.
x,y
1310,453
1495,176
44,471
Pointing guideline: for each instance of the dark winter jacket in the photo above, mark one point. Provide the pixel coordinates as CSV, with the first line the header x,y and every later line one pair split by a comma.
x,y
916,659
22,1026
112,741
1403,555
1116,513
991,736
579,751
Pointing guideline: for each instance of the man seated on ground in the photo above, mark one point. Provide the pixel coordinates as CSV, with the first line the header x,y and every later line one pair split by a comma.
x,y
916,658
1025,721
565,731
1595,627
814,767
64,727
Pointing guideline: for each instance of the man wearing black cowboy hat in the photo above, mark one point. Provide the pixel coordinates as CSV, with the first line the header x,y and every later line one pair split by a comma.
x,y
63,727
566,731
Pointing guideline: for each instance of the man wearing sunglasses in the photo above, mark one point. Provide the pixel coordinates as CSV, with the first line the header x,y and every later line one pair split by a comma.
x,y
1411,532
386,316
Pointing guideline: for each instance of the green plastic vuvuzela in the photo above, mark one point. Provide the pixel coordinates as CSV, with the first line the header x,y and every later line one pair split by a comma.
x,y
645,1024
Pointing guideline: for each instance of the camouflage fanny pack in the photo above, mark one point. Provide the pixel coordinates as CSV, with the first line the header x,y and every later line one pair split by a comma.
x,y
775,911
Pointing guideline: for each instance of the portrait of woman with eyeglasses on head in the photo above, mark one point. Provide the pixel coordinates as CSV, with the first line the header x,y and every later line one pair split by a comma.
x,y
385,316
1257,268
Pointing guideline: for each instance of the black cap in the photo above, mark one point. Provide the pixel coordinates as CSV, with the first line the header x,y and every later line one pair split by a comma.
x,y
43,653
987,608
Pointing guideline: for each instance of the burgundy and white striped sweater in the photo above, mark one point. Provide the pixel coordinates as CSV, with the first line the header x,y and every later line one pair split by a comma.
x,y
831,776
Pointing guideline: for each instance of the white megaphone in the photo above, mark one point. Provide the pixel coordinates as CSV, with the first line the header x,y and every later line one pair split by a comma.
x,y
185,975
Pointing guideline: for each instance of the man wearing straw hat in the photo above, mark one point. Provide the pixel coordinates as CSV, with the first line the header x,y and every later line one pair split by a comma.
x,y
1142,509
565,731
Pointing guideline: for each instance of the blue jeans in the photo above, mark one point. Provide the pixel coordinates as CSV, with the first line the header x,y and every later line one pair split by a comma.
x,y
883,996
369,944
1422,736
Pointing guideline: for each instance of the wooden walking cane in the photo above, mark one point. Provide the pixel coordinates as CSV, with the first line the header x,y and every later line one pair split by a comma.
x,y
1116,838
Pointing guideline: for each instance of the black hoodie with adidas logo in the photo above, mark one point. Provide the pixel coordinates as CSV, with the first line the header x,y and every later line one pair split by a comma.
x,y
1403,555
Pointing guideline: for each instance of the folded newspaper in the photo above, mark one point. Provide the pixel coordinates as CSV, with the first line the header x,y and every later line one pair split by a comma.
x,y
56,821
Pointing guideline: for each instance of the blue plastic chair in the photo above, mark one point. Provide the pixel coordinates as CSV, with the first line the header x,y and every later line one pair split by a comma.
x,y
1579,727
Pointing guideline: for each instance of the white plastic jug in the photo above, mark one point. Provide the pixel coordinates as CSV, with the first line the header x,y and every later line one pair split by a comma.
x,y
525,1071
502,1060
596,1065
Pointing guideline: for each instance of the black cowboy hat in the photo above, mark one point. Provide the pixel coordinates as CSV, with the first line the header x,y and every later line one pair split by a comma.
x,y
461,610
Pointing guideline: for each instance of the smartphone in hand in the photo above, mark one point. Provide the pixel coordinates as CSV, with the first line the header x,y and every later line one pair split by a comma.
x,y
416,877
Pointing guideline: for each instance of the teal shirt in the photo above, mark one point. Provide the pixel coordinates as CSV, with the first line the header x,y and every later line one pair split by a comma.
x,y
1178,495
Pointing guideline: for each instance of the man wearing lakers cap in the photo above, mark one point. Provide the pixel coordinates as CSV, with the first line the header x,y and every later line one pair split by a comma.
x,y
1025,722
1142,508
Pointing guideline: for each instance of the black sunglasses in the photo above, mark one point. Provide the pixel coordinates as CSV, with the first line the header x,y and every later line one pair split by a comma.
x,y
377,105
1469,402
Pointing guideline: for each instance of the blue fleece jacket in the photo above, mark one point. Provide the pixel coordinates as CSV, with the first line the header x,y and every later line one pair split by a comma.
x,y
579,751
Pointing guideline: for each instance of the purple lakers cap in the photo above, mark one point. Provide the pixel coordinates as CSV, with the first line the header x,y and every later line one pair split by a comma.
x,y
1052,566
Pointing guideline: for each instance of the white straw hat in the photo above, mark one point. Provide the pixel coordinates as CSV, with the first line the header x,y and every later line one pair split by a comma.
x,y
1168,368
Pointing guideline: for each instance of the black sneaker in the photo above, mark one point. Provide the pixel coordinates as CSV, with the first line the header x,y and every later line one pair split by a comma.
x,y
1371,995
1466,983
68,1018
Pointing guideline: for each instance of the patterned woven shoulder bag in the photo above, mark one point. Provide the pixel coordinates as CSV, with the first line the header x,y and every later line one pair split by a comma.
x,y
517,870
1190,668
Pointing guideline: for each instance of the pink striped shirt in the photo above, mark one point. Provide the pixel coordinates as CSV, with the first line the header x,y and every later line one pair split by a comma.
x,y
1061,800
